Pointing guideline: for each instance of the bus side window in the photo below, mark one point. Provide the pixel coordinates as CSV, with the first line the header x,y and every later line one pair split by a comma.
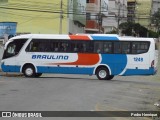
x,y
140,47
126,47
134,48
74,46
83,47
34,48
117,47
107,47
41,47
98,47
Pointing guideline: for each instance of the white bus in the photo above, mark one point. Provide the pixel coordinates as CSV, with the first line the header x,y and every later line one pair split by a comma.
x,y
102,55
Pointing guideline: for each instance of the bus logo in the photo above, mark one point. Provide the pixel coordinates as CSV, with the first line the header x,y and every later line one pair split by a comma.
x,y
51,57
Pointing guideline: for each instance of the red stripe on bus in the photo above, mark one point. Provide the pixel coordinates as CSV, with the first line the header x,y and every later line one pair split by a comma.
x,y
83,59
79,37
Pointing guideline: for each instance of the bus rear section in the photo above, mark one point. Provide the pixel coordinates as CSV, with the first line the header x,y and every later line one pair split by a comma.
x,y
143,58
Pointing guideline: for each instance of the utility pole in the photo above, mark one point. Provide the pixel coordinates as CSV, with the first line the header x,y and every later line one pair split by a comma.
x,y
118,16
100,17
119,9
61,17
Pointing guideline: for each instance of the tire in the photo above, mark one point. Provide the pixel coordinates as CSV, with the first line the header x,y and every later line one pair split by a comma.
x,y
38,74
110,77
103,74
29,71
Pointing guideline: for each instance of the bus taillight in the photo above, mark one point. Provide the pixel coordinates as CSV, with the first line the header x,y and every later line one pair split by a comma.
x,y
152,63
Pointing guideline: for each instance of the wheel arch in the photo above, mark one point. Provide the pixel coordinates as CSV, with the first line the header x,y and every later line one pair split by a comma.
x,y
23,66
102,65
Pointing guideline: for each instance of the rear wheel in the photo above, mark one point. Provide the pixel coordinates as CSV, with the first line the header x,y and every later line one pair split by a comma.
x,y
38,74
29,71
103,74
110,77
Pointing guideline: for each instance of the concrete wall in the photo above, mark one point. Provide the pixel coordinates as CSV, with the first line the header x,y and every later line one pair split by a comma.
x,y
35,22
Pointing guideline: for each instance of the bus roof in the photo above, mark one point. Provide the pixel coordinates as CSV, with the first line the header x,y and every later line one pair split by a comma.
x,y
82,37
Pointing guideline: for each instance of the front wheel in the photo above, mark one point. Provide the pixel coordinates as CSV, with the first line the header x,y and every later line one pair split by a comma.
x,y
103,74
29,71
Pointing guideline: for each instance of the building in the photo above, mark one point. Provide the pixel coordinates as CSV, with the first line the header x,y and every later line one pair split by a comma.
x,y
39,16
143,10
155,6
76,16
117,14
31,18
95,10
131,5
155,25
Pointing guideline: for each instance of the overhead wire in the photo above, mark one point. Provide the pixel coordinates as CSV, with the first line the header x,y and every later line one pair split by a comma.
x,y
32,8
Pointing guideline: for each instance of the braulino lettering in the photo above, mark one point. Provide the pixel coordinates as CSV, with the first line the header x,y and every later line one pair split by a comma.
x,y
33,56
38,56
44,57
57,57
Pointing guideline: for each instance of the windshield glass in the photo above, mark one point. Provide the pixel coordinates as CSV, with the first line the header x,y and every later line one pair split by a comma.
x,y
13,48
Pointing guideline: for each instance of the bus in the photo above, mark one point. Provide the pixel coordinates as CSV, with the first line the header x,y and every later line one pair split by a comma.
x,y
102,55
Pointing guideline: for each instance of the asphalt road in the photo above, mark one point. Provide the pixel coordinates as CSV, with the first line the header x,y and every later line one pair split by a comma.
x,y
54,92
78,93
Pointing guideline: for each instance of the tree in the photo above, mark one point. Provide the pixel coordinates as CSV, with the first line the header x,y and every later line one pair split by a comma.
x,y
135,29
156,20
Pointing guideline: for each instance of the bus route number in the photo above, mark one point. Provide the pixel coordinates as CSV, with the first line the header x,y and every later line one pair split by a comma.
x,y
138,59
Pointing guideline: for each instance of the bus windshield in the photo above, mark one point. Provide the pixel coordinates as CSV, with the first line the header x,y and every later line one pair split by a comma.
x,y
13,48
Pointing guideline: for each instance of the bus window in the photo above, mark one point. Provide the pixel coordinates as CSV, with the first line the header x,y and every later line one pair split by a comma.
x,y
117,47
85,47
44,46
34,46
75,46
11,49
98,47
39,45
107,47
125,47
14,48
140,47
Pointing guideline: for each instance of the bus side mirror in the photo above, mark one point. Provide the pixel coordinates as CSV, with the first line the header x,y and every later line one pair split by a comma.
x,y
10,36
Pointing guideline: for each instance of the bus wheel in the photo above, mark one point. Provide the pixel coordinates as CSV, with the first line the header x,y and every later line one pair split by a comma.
x,y
29,71
110,77
38,74
102,73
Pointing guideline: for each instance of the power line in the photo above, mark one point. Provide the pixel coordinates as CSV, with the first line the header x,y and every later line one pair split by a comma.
x,y
58,12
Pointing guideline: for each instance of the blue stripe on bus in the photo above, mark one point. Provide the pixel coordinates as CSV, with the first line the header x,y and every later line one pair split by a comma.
x,y
104,37
116,63
150,71
65,70
10,68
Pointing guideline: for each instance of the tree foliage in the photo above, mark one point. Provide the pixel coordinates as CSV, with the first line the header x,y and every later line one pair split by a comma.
x,y
156,19
135,29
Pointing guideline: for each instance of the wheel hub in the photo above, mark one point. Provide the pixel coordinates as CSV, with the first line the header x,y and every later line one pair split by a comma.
x,y
29,71
102,73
